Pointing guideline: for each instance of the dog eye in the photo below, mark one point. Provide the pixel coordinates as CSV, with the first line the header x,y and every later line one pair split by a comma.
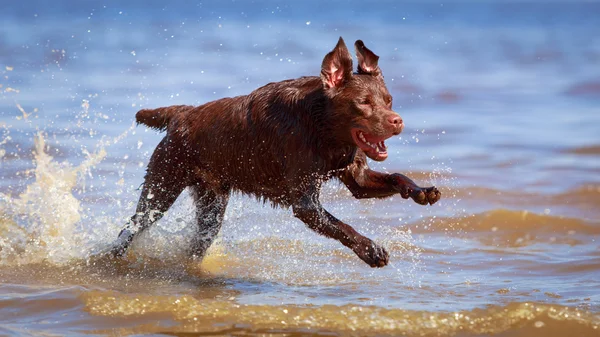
x,y
388,100
364,101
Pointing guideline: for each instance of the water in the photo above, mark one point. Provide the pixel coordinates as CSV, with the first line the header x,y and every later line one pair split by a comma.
x,y
502,106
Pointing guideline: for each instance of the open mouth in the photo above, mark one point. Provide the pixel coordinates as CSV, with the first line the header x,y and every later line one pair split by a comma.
x,y
373,146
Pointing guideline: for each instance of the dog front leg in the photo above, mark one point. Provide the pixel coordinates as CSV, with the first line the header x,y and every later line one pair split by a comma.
x,y
408,189
310,211
372,184
366,183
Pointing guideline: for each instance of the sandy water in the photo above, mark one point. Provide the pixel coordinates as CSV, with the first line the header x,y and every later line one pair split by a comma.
x,y
502,107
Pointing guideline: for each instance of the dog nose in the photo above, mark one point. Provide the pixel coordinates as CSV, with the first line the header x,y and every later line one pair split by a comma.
x,y
395,120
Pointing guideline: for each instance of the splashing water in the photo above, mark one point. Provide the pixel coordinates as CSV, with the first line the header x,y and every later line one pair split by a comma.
x,y
47,214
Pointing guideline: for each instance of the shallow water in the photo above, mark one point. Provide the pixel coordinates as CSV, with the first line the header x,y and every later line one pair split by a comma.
x,y
502,107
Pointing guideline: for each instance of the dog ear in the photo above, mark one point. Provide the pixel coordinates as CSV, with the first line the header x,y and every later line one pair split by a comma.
x,y
337,66
367,60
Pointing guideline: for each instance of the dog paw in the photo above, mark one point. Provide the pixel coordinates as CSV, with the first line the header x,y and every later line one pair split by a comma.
x,y
425,195
373,254
119,248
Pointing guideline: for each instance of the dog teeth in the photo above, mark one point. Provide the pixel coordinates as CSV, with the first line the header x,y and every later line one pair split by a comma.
x,y
380,146
362,137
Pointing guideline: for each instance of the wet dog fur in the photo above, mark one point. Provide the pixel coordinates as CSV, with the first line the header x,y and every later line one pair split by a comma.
x,y
279,143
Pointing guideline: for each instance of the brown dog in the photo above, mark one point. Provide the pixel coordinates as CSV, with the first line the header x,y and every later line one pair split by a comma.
x,y
279,143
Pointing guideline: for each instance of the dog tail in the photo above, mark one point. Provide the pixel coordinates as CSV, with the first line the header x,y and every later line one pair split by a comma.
x,y
159,118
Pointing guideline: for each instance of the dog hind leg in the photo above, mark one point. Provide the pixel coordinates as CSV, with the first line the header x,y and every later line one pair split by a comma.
x,y
163,184
210,210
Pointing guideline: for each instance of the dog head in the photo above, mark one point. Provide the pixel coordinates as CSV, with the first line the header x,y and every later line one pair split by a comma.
x,y
361,103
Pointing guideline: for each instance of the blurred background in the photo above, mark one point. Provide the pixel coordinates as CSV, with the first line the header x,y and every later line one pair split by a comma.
x,y
501,101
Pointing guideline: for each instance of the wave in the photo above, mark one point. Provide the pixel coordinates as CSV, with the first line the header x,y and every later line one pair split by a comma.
x,y
504,220
228,316
584,150
110,312
508,228
585,197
